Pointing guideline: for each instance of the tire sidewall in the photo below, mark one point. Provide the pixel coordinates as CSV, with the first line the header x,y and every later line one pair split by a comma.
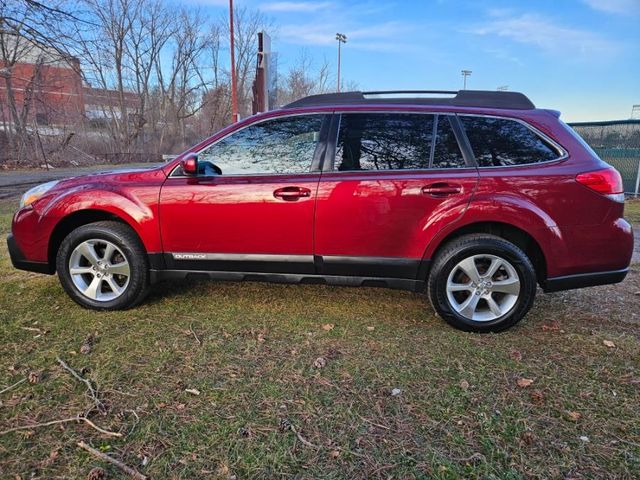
x,y
137,266
497,247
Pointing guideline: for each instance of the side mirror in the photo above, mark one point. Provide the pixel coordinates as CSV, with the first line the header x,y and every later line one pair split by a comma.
x,y
190,164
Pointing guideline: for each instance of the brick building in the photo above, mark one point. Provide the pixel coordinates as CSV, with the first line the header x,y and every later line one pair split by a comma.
x,y
49,87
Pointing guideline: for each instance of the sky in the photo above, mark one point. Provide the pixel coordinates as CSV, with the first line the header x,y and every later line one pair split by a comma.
x,y
581,57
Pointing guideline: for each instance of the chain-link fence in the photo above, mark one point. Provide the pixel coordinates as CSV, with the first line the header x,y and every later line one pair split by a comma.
x,y
618,144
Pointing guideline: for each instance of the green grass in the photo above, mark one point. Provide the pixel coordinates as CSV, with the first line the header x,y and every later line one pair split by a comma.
x,y
632,211
460,412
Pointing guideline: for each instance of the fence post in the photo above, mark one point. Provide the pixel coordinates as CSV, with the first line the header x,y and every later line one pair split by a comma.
x,y
637,179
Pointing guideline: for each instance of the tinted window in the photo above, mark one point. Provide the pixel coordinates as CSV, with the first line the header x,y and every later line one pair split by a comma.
x,y
498,142
447,152
384,141
282,145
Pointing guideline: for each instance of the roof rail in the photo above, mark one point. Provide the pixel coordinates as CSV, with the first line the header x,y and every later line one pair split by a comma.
x,y
461,98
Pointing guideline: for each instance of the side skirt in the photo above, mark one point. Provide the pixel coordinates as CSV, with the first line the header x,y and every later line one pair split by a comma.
x,y
307,279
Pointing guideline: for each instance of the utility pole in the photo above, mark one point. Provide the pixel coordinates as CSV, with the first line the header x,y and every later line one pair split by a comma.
x,y
341,38
234,86
465,74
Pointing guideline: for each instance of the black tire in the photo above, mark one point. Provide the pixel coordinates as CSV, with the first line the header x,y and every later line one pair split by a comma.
x,y
464,247
126,240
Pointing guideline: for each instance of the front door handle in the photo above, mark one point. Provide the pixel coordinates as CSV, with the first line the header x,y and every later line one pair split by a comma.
x,y
291,194
442,189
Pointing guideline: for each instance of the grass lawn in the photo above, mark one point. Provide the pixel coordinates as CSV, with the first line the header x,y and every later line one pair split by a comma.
x,y
632,211
249,351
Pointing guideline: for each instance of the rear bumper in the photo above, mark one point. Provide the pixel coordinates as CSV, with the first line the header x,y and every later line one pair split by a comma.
x,y
581,280
20,262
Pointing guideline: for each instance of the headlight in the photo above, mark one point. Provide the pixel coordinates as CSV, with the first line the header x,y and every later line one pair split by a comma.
x,y
35,193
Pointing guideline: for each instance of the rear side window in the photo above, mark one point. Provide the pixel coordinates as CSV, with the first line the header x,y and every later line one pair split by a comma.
x,y
499,142
384,141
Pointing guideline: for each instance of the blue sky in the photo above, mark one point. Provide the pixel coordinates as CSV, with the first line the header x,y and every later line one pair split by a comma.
x,y
578,56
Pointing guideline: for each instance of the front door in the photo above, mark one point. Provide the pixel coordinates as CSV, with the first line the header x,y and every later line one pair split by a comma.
x,y
257,214
392,179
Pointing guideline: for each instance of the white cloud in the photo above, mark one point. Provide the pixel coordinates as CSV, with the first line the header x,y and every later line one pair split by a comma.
x,y
294,6
540,32
622,7
323,34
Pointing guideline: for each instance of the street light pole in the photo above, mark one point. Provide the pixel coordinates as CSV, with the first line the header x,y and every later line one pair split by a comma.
x,y
465,74
341,38
234,86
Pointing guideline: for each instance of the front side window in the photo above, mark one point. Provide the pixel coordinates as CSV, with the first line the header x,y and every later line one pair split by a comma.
x,y
499,142
279,146
384,141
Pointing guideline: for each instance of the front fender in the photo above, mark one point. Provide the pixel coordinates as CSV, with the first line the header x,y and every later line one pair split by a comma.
x,y
136,205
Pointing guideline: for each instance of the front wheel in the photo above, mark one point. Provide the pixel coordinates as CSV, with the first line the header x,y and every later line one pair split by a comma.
x,y
103,266
482,283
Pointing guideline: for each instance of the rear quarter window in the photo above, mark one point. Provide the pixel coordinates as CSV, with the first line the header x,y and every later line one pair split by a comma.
x,y
500,142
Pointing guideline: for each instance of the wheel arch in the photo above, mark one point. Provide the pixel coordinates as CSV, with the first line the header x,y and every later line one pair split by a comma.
x,y
77,219
516,235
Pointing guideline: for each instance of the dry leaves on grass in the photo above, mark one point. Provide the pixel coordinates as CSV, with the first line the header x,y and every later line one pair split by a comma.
x,y
320,362
524,382
609,344
327,327
573,416
515,355
34,377
464,385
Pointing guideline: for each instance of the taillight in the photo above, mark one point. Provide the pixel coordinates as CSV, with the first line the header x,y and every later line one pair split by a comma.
x,y
606,181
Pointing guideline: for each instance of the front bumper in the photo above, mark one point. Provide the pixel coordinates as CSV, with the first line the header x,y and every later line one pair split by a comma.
x,y
20,262
581,280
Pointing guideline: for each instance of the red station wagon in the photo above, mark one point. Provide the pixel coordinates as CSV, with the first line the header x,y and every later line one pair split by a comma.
x,y
475,196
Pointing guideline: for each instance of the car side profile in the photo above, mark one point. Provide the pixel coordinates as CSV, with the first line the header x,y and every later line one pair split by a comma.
x,y
476,197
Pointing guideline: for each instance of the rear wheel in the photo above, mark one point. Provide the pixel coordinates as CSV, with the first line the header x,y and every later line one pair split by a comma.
x,y
482,283
103,266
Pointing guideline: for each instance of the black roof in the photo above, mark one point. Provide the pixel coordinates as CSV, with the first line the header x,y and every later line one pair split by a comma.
x,y
461,98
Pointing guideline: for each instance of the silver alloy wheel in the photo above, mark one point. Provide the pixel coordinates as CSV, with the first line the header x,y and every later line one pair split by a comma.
x,y
99,270
483,288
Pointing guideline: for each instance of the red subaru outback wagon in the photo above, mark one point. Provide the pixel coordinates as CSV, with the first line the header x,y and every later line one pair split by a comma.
x,y
477,197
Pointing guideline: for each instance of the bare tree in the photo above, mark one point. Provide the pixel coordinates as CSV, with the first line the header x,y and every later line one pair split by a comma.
x,y
247,25
30,32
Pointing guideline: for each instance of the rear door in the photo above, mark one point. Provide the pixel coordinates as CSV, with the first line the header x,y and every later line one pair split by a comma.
x,y
388,181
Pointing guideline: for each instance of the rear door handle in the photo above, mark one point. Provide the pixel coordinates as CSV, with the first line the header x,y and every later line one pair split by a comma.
x,y
291,194
442,189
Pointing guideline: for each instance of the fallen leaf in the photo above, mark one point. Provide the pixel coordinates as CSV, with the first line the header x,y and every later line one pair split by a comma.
x,y
34,377
574,416
328,327
320,362
96,473
552,327
464,385
261,338
193,391
371,329
395,392
334,454
524,382
537,397
609,344
515,355
528,438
